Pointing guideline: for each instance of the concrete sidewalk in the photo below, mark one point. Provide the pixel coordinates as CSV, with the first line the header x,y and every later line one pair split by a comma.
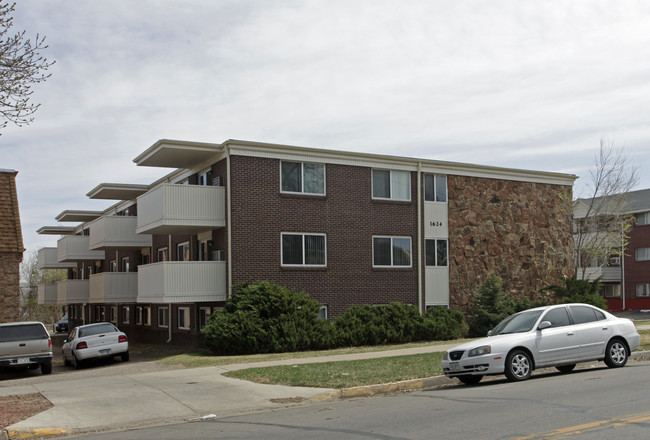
x,y
123,401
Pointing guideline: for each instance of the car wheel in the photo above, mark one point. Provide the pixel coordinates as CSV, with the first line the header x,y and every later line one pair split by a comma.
x,y
615,354
566,368
46,367
518,366
125,356
76,363
470,379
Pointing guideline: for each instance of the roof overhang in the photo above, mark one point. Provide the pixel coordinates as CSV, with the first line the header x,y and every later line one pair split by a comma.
x,y
56,230
78,216
168,153
117,191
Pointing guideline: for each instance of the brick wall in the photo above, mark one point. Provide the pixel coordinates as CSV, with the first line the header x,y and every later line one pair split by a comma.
x,y
11,248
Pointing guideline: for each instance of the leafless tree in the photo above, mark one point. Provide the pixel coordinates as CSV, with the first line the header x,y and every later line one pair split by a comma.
x,y
601,220
21,66
31,276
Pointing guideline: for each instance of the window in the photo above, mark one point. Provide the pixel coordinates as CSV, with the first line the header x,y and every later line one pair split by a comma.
x,y
205,246
163,317
322,313
184,318
642,254
163,255
126,311
125,264
643,289
610,290
183,251
394,185
205,178
642,219
582,314
435,188
99,313
306,178
143,315
138,315
557,317
304,250
112,314
204,315
391,251
436,252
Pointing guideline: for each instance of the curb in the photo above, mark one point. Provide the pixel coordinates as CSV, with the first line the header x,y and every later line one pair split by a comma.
x,y
17,434
403,386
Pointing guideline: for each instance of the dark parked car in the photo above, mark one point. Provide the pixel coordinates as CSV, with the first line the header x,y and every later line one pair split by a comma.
x,y
61,325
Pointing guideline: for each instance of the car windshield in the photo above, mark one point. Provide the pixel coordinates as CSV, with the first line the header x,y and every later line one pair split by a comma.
x,y
518,323
96,330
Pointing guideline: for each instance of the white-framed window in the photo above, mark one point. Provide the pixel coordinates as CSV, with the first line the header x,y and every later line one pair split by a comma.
x,y
435,188
163,254
391,185
436,252
138,315
183,251
303,178
112,314
642,254
642,219
204,250
322,313
163,317
643,289
143,315
204,315
126,265
126,312
99,314
391,251
303,249
184,318
610,290
205,178
112,266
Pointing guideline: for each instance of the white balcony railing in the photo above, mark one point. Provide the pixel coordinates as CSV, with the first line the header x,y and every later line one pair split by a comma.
x,y
181,209
75,248
113,287
47,259
116,231
182,281
47,294
72,291
606,274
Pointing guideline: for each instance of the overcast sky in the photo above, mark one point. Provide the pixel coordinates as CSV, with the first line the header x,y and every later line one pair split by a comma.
x,y
521,84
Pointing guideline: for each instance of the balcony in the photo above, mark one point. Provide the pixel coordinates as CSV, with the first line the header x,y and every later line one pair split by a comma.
x,y
47,294
47,260
182,281
607,274
181,209
75,248
72,291
113,287
116,232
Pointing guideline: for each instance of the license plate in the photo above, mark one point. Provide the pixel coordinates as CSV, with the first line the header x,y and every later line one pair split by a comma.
x,y
105,351
454,366
23,361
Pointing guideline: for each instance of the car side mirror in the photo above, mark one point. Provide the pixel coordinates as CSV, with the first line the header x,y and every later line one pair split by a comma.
x,y
544,324
489,333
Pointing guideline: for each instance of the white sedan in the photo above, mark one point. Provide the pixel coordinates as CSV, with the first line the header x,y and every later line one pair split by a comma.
x,y
92,341
557,336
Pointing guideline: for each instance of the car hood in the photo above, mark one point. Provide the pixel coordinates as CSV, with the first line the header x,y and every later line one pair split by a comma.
x,y
492,340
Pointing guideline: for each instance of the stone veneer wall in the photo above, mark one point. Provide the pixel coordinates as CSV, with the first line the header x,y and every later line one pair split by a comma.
x,y
11,248
519,230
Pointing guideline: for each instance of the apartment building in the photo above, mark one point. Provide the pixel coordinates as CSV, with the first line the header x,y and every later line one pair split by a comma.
x,y
624,276
347,228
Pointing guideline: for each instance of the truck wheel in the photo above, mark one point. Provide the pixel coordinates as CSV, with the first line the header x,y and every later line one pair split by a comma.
x,y
46,367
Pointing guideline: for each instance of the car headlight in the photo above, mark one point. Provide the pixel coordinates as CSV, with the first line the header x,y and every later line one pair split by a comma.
x,y
480,351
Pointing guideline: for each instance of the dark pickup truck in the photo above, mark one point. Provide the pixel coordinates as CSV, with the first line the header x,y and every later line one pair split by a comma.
x,y
26,345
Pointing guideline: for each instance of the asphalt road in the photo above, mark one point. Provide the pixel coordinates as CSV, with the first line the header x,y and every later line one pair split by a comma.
x,y
593,403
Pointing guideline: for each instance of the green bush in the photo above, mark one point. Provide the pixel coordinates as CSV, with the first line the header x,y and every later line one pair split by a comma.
x,y
441,323
574,290
263,317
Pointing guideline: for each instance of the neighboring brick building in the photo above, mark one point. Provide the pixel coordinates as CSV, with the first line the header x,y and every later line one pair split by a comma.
x,y
11,248
347,228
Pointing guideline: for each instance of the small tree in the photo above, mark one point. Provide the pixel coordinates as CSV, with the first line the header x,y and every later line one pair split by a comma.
x,y
21,66
31,276
490,306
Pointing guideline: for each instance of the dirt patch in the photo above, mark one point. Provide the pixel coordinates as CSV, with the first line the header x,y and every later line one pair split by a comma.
x,y
289,400
19,407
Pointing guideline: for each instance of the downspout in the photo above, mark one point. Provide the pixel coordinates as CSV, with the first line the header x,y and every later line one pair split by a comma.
x,y
229,223
623,263
169,322
419,247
